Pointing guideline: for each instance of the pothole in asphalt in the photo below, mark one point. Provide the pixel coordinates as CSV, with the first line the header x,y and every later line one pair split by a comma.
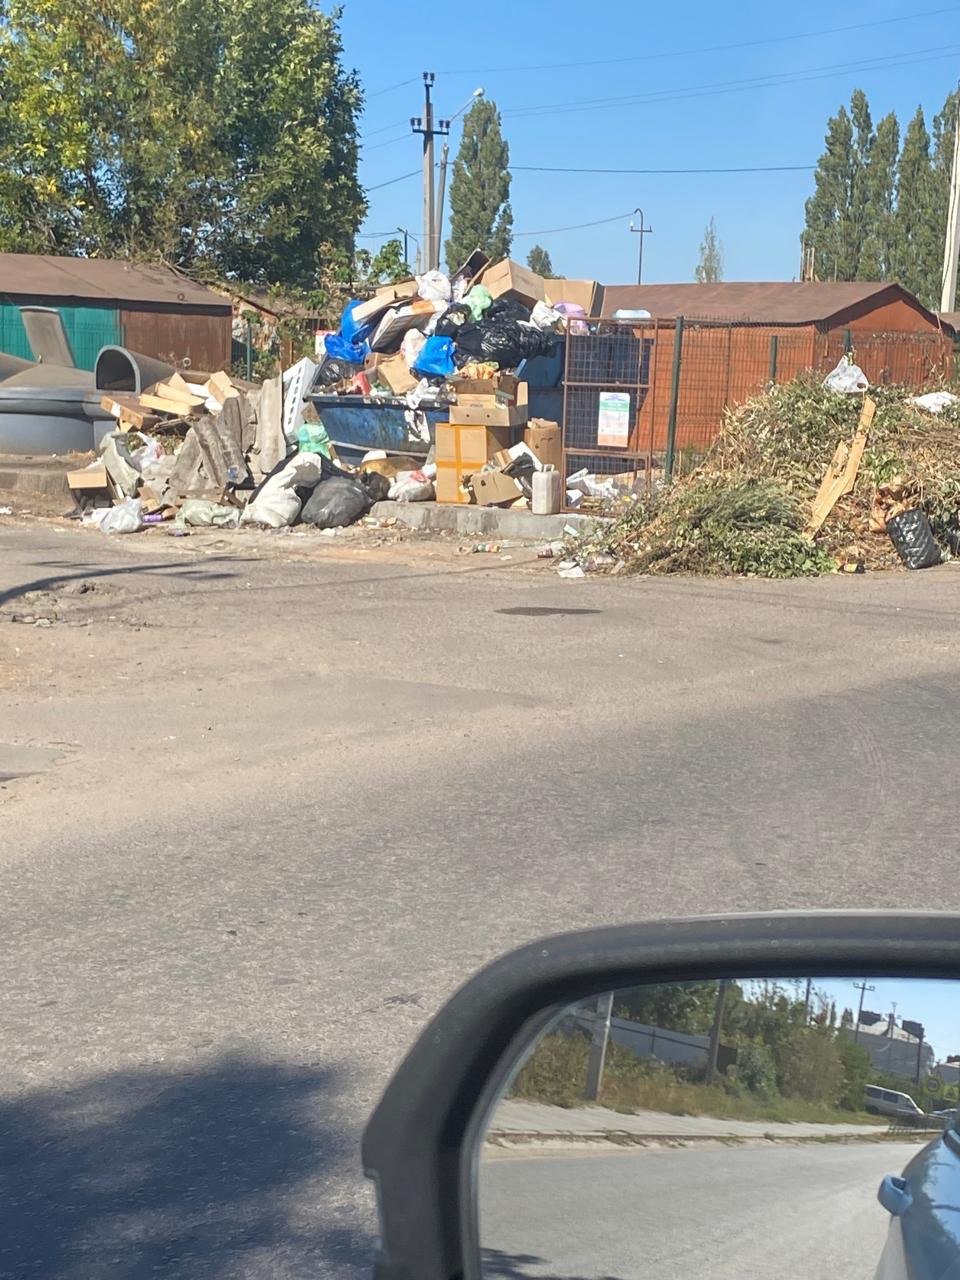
x,y
21,762
542,611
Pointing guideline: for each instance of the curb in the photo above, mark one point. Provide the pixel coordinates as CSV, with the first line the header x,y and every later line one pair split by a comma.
x,y
436,517
622,1138
31,475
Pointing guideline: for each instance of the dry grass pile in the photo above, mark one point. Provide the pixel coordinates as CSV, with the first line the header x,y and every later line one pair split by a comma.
x,y
745,507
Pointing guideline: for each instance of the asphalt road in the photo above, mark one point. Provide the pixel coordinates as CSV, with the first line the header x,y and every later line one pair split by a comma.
x,y
733,1213
281,807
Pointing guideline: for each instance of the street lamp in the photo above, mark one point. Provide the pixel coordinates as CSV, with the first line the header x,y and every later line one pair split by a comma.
x,y
641,231
444,156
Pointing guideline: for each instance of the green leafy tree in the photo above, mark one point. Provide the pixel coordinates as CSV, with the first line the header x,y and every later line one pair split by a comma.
x,y
538,260
480,213
710,267
857,1071
388,265
879,241
809,1065
919,255
837,212
222,138
675,1006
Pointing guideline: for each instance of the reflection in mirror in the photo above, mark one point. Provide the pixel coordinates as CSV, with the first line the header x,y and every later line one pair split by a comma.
x,y
737,1128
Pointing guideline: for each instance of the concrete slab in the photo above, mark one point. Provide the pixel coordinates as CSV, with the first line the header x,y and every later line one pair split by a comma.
x,y
24,473
494,521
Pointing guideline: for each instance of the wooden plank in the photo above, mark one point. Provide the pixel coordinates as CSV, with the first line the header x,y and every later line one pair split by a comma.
x,y
177,408
127,411
221,388
841,474
180,395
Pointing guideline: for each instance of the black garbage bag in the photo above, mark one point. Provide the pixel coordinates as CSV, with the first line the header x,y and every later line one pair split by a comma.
x,y
469,345
336,502
333,370
505,309
911,534
453,320
507,342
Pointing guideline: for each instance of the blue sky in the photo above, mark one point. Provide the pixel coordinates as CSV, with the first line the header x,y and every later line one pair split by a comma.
x,y
704,116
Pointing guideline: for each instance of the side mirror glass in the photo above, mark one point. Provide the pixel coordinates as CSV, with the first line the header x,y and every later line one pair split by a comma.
x,y
729,1128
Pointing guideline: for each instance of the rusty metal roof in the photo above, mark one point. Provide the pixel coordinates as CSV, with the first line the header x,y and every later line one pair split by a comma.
x,y
36,275
758,303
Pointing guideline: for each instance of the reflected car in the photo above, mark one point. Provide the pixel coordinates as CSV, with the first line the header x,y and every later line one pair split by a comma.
x,y
924,1204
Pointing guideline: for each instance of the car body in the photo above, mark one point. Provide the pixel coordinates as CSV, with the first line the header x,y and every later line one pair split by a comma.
x,y
890,1102
924,1201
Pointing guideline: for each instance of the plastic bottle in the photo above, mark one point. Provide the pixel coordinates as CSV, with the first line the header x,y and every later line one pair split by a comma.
x,y
546,491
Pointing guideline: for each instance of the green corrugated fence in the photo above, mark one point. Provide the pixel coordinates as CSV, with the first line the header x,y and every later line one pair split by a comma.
x,y
88,329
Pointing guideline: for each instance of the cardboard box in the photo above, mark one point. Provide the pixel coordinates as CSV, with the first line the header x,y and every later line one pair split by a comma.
x,y
508,277
402,291
460,450
492,488
449,484
544,439
584,293
395,374
88,478
478,391
489,413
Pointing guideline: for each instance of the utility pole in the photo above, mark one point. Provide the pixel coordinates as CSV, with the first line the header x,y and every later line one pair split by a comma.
x,y
599,1039
425,126
919,1053
863,989
806,1002
951,248
641,231
714,1050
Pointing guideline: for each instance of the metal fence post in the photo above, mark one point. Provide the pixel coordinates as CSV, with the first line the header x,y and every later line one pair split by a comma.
x,y
249,350
674,399
847,341
774,352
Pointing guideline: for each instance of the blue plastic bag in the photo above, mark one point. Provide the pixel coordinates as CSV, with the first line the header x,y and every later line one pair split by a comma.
x,y
354,333
436,358
338,348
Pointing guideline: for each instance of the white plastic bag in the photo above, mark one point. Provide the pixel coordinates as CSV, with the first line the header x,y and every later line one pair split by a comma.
x,y
434,286
545,318
277,505
411,346
149,453
411,486
847,378
933,401
126,518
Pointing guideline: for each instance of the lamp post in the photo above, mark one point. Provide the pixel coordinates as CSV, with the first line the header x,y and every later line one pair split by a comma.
x,y
641,231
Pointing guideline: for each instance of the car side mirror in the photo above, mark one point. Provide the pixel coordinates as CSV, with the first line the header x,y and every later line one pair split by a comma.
x,y
561,1109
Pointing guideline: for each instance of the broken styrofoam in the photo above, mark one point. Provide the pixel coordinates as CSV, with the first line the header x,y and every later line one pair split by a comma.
x,y
934,401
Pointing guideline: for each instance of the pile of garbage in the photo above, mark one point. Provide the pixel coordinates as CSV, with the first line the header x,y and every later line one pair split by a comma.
x,y
411,339
811,476
226,453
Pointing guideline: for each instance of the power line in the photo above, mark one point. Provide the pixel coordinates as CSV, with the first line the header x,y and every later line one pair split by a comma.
x,y
885,62
389,143
403,177
717,48
397,124
577,226
766,168
401,84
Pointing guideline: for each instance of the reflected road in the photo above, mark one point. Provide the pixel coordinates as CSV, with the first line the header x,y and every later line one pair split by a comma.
x,y
733,1213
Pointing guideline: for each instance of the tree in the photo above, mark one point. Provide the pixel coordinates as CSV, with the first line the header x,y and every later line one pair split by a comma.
x,y
710,267
857,1071
879,242
675,1006
388,265
538,260
833,225
480,214
919,244
222,138
809,1066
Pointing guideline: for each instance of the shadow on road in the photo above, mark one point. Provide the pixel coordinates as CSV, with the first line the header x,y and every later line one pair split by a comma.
x,y
203,1174
500,1265
80,573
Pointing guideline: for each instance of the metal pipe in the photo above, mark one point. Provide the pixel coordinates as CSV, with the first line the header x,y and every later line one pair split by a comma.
x,y
674,399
